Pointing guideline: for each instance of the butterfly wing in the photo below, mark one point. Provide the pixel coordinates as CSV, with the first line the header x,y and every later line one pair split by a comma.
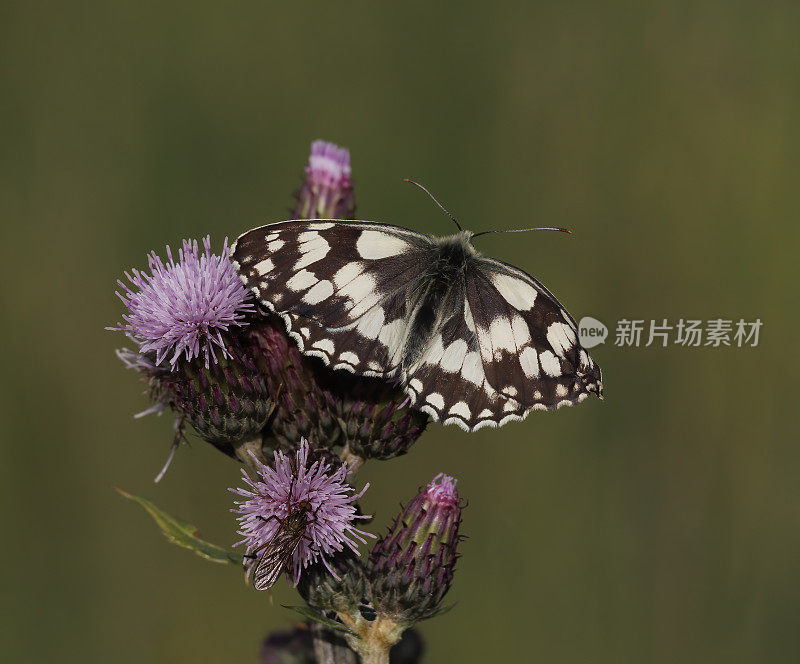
x,y
509,348
449,381
341,287
528,342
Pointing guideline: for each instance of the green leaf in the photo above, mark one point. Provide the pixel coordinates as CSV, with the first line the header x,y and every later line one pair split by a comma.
x,y
318,617
184,534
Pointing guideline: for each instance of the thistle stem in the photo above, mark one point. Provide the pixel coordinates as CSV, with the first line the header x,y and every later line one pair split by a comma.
x,y
378,654
353,460
374,640
243,448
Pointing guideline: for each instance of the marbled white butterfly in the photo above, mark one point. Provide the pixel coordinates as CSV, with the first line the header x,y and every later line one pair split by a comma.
x,y
474,341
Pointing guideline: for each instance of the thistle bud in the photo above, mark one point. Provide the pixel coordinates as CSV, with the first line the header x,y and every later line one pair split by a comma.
x,y
327,192
341,587
226,402
408,573
303,407
411,568
375,416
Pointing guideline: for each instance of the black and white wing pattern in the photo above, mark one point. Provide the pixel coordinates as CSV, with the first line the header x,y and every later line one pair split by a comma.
x,y
341,287
474,341
511,349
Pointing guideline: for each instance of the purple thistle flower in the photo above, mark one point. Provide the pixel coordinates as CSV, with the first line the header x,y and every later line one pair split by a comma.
x,y
327,192
328,164
183,307
318,486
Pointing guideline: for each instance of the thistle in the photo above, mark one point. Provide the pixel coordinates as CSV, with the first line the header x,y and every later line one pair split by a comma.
x,y
232,372
304,407
183,308
316,489
376,418
404,580
327,192
411,567
187,319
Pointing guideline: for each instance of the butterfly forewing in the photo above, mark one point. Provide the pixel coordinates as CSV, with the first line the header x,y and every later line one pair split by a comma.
x,y
475,342
336,285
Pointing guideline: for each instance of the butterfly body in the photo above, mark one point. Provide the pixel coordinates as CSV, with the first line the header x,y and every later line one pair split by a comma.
x,y
437,290
474,341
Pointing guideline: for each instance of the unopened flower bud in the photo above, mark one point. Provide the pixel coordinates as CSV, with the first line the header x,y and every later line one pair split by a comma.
x,y
411,567
303,407
327,192
376,418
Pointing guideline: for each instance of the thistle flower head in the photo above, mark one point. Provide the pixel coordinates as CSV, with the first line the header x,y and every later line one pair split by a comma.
x,y
376,417
327,192
182,307
412,567
317,487
304,407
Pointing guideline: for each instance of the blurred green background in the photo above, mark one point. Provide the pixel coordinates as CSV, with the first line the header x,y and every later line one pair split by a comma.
x,y
658,526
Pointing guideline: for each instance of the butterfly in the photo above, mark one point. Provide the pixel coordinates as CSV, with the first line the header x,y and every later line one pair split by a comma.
x,y
473,341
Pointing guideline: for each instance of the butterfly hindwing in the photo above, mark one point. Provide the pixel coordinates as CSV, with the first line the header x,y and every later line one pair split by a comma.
x,y
529,343
484,369
449,382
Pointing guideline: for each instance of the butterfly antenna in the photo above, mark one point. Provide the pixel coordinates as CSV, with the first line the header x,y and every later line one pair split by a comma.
x,y
433,198
525,230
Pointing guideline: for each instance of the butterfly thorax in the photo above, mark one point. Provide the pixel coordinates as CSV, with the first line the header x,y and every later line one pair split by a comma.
x,y
440,284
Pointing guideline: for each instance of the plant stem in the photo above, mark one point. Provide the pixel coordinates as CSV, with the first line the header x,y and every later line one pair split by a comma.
x,y
375,655
243,448
374,640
